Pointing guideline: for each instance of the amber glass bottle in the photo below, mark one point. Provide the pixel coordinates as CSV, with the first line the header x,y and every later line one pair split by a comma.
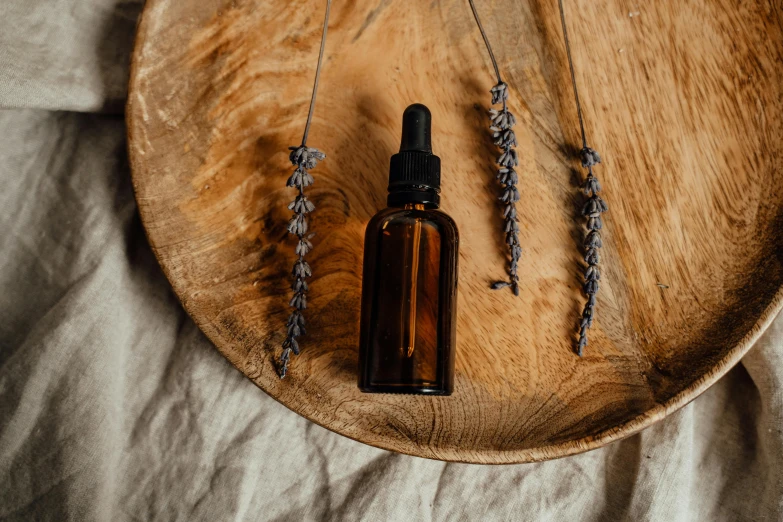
x,y
409,287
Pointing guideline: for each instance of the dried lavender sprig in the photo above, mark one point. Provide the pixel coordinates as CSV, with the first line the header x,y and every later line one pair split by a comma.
x,y
303,158
501,123
592,210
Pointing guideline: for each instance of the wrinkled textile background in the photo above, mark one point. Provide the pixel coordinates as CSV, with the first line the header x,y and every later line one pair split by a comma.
x,y
113,405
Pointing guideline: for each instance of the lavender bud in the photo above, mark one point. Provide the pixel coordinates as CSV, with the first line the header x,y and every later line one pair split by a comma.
x,y
592,186
499,93
594,223
317,154
592,273
507,176
296,320
303,247
593,240
305,157
298,224
295,180
502,119
594,206
591,287
299,285
300,178
510,194
309,162
296,154
294,346
505,138
508,158
298,301
302,269
301,205
294,331
589,157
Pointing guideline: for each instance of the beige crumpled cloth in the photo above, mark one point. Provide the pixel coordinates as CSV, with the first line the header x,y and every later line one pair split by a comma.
x,y
114,406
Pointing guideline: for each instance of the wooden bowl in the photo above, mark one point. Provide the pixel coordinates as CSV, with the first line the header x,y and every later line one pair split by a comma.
x,y
683,100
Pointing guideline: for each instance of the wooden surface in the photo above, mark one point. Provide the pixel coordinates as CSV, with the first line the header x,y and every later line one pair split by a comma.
x,y
682,99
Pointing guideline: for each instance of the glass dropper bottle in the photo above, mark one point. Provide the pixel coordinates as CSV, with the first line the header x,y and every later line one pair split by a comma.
x,y
409,286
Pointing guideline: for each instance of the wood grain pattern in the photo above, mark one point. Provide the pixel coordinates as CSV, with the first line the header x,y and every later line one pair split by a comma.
x,y
683,100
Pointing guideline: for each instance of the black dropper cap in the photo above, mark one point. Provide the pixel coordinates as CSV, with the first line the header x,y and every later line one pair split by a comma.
x,y
414,173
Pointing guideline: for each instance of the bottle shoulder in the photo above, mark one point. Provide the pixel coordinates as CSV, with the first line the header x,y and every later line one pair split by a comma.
x,y
392,215
448,221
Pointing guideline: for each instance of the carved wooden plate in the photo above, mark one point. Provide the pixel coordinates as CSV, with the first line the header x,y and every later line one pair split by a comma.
x,y
683,100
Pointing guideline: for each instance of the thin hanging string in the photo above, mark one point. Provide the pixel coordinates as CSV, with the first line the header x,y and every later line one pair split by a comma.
x,y
573,76
317,74
486,41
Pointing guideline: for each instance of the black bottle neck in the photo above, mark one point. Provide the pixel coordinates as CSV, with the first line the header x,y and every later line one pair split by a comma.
x,y
413,196
414,172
